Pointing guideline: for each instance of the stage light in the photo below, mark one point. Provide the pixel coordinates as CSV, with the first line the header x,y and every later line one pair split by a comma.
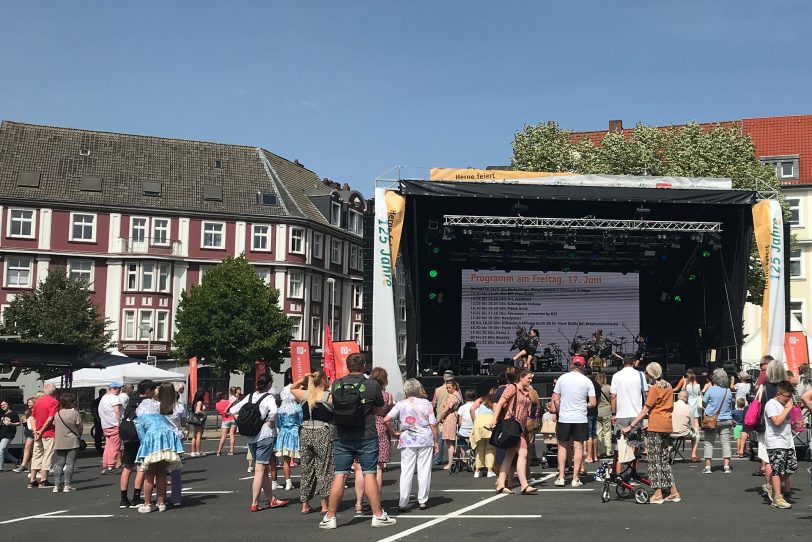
x,y
706,253
435,250
432,296
433,273
566,270
677,299
692,277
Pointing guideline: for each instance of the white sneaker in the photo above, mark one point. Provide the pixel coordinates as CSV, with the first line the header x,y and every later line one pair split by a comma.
x,y
57,489
728,470
162,508
383,520
560,482
250,470
288,485
706,470
274,485
146,508
476,474
328,523
491,474
68,488
577,483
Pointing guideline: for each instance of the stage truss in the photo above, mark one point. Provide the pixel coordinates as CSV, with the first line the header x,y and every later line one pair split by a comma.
x,y
605,224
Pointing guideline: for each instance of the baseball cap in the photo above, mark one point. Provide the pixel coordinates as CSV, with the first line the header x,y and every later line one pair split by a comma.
x,y
448,375
578,361
115,384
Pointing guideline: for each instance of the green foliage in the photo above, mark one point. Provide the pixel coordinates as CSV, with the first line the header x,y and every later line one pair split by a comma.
x,y
684,151
232,320
60,310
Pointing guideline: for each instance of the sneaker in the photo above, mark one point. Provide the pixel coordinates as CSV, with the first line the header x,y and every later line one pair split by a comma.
x,y
33,484
68,489
655,500
780,502
577,483
57,489
727,470
274,485
674,497
491,474
383,520
162,507
146,508
768,490
288,485
125,503
135,502
706,470
476,474
560,482
17,469
46,484
106,470
250,470
328,523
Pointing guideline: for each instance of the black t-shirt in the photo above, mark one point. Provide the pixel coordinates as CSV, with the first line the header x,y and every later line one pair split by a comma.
x,y
594,410
373,397
8,431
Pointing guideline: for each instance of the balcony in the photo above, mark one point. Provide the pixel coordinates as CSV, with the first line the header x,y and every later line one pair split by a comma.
x,y
150,246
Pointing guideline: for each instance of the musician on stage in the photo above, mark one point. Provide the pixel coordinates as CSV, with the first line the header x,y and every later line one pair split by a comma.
x,y
527,348
522,338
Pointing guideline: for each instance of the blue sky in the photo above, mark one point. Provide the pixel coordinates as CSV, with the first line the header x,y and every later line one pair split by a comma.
x,y
352,89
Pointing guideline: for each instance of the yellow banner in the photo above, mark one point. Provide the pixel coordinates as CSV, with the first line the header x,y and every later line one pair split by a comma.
x,y
768,226
478,175
395,210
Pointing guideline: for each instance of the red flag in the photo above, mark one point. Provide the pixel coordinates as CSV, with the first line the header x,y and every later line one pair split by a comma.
x,y
192,376
342,350
299,359
259,369
329,356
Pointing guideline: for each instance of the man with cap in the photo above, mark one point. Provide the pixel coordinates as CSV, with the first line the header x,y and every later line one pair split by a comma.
x,y
440,394
110,414
573,394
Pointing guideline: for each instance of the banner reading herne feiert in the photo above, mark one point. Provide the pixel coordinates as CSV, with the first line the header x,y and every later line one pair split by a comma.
x,y
299,359
768,221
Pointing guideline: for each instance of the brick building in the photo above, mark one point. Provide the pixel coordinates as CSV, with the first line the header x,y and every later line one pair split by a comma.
x,y
142,218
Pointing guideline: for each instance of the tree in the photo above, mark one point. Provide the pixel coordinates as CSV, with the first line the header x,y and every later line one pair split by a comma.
x,y
232,319
60,310
680,151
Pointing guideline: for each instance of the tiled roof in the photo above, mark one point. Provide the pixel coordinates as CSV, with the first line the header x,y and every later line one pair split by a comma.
x,y
64,155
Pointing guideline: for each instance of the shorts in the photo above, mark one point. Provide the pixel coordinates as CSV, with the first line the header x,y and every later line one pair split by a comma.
x,y
262,450
762,449
571,432
43,455
129,451
592,426
783,461
622,423
226,425
366,450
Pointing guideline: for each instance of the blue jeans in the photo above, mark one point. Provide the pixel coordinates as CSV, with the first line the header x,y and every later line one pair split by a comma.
x,y
4,452
592,426
438,458
346,450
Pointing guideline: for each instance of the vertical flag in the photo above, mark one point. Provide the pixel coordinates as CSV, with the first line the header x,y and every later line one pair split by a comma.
x,y
795,349
768,221
395,211
342,350
329,357
384,335
192,376
259,370
299,359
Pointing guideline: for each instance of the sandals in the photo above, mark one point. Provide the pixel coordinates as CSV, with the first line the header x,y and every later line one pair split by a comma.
x,y
359,508
529,490
277,503
256,508
306,511
504,490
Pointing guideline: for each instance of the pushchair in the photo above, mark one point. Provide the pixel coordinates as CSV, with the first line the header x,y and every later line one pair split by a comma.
x,y
464,458
628,481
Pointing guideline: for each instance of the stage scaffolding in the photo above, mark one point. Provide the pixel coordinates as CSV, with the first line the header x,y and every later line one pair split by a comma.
x,y
580,224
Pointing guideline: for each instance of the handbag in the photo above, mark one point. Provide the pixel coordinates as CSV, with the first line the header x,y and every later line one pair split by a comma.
x,y
508,431
753,415
197,418
709,420
82,443
796,418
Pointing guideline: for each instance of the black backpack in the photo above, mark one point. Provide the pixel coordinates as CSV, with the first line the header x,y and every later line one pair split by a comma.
x,y
126,428
249,419
348,403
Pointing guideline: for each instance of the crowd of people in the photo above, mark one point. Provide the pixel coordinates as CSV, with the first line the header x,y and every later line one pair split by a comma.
x,y
334,430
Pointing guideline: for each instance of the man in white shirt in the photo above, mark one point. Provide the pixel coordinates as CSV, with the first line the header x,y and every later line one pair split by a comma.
x,y
574,393
110,412
628,387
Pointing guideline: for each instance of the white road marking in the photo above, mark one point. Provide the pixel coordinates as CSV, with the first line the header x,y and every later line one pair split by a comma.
x,y
186,491
252,477
452,515
38,516
421,516
78,516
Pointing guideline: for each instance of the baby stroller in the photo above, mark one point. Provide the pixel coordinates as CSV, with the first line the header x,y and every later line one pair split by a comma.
x,y
464,458
547,431
628,481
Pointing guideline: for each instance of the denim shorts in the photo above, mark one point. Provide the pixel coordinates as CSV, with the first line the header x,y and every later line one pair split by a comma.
x,y
262,450
592,426
346,450
228,424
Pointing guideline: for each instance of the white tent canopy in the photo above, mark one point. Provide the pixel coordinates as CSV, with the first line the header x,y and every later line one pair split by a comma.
x,y
129,373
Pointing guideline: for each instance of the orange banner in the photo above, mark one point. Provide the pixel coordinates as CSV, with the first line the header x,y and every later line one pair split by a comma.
x,y
795,350
484,175
395,211
259,369
299,359
192,377
342,350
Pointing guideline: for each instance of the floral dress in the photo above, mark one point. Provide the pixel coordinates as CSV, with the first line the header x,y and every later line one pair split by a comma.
x,y
452,403
384,442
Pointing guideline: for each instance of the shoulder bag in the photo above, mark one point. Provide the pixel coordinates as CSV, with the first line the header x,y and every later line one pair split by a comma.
x,y
508,431
754,412
82,443
197,418
709,420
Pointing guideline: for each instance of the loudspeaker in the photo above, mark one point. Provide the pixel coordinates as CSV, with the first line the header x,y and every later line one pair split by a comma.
x,y
495,369
675,369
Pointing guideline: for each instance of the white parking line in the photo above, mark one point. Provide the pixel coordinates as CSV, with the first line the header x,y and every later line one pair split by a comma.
x,y
527,516
38,516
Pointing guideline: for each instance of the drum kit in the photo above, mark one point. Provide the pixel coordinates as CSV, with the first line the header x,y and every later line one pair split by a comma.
x,y
600,352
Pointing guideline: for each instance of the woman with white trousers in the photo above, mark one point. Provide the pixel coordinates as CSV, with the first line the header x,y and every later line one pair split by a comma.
x,y
417,441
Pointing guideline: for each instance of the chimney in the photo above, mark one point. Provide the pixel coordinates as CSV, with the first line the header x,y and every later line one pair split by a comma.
x,y
345,187
616,126
296,161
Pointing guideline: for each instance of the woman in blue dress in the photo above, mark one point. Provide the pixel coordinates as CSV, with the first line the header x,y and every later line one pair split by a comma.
x,y
288,421
160,447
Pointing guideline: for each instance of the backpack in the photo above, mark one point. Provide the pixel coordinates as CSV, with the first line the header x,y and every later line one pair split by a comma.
x,y
126,428
348,403
249,419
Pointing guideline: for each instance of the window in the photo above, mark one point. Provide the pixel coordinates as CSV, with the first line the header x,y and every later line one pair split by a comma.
x,y
164,274
2,313
83,227
161,326
795,269
203,270
295,284
265,274
147,276
144,325
786,167
315,331
315,289
297,240
794,211
213,235
160,231
358,333
318,250
152,188
335,251
401,345
212,193
81,270
797,310
401,276
353,257
218,164
128,331
358,296
356,224
295,327
90,183
335,213
265,198
132,276
18,272
21,223
260,238
402,309
138,229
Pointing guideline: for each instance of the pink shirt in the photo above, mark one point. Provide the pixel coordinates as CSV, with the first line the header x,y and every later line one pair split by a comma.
x,y
222,408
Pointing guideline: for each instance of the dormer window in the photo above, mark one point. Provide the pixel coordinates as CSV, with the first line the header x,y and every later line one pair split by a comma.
x,y
218,164
266,198
335,213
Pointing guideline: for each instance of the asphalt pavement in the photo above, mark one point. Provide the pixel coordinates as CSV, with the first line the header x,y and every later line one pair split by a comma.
x,y
217,497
